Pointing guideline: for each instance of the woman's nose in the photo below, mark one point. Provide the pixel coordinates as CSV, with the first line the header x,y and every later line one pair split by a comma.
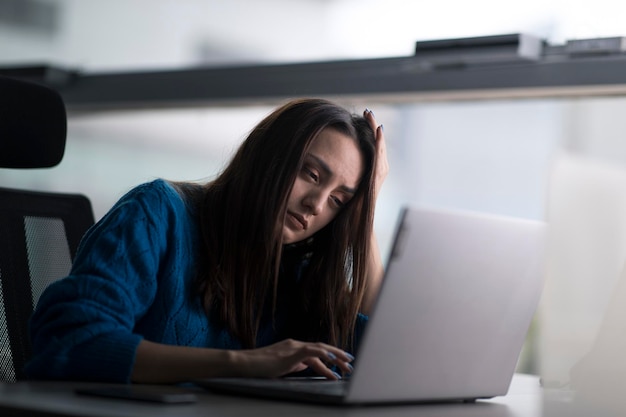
x,y
314,202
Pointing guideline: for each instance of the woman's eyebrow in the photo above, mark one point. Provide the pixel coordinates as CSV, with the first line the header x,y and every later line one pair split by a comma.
x,y
324,167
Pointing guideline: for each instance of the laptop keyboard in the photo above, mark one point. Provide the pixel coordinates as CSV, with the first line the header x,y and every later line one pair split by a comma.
x,y
320,386
324,386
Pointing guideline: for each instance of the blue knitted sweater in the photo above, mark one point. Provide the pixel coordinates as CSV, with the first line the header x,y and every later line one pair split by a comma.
x,y
131,279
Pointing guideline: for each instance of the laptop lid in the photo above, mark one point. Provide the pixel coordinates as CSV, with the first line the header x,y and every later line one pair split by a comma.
x,y
459,293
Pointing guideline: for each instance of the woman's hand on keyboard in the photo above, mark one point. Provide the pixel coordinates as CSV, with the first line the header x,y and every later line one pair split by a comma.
x,y
290,356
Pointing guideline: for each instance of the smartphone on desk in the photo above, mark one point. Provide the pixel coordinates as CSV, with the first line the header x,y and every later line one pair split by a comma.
x,y
148,393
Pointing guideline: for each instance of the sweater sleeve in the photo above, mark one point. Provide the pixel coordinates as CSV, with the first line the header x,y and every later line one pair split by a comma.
x,y
82,328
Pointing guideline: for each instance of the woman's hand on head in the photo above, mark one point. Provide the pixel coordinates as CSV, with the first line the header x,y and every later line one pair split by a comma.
x,y
290,356
382,164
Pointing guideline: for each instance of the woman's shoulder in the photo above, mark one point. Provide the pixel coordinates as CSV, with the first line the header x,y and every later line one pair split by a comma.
x,y
154,195
157,188
152,208
154,202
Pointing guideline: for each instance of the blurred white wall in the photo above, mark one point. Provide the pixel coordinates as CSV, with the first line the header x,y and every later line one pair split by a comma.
x,y
99,35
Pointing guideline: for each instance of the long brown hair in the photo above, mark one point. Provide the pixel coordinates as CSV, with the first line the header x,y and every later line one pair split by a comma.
x,y
241,218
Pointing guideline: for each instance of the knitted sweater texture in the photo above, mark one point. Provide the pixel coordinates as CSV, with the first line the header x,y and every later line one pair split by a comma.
x,y
131,280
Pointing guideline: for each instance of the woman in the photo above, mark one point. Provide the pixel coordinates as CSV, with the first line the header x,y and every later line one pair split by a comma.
x,y
264,271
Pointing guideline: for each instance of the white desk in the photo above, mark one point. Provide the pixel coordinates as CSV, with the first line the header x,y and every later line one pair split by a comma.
x,y
58,399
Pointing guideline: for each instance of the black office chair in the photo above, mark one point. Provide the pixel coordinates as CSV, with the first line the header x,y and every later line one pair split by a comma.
x,y
39,231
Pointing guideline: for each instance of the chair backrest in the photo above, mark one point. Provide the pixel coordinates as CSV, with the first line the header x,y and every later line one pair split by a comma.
x,y
40,234
39,231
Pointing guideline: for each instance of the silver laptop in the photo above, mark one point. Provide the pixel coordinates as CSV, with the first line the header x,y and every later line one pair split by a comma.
x,y
459,294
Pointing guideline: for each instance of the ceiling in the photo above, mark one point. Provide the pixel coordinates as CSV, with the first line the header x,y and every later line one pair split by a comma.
x,y
113,35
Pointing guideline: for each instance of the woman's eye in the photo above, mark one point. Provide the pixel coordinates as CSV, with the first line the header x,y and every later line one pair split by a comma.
x,y
337,202
311,174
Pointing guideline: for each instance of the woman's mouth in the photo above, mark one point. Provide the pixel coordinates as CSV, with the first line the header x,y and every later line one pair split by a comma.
x,y
298,220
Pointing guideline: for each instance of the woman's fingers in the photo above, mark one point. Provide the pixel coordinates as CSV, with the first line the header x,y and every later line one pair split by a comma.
x,y
321,368
343,363
292,356
321,356
382,164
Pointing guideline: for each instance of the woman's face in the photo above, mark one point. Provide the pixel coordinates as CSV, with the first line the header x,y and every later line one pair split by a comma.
x,y
328,179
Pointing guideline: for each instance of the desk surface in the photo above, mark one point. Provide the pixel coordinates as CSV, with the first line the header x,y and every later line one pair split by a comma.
x,y
58,399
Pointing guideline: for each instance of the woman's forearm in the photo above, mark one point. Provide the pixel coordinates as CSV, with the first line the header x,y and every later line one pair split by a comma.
x,y
159,363
375,268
